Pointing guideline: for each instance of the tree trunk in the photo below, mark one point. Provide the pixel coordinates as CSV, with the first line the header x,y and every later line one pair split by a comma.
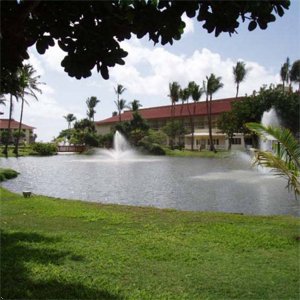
x,y
229,142
237,90
211,146
5,151
19,130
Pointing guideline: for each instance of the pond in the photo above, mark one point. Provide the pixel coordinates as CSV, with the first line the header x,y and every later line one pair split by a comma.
x,y
184,183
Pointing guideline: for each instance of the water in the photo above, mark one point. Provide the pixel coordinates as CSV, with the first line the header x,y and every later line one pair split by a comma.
x,y
269,118
121,150
228,185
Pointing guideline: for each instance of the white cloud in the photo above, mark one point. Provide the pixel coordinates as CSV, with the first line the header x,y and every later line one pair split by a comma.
x,y
189,24
53,57
165,67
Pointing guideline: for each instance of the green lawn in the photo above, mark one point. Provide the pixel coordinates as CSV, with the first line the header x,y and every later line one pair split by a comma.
x,y
63,249
23,151
203,153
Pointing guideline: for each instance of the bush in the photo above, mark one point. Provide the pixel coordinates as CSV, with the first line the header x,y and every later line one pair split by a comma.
x,y
7,174
155,149
44,148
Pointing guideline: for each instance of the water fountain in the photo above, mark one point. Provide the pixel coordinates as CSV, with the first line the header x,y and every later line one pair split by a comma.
x,y
121,149
269,118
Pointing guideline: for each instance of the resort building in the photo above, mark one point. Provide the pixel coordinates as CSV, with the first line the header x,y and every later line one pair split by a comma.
x,y
188,114
28,136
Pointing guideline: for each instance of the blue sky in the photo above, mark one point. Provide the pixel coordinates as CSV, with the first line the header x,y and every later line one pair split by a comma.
x,y
149,69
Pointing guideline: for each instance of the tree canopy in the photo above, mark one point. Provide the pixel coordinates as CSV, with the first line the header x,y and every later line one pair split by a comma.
x,y
90,32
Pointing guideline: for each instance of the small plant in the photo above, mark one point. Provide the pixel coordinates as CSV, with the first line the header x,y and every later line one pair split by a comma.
x,y
44,148
7,174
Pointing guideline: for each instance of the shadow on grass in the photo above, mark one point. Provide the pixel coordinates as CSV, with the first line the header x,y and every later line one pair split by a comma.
x,y
17,250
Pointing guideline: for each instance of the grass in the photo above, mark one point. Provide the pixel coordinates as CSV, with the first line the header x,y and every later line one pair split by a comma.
x,y
203,153
63,249
7,174
23,151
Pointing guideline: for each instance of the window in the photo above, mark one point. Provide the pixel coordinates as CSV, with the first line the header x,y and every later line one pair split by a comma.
x,y
236,141
215,142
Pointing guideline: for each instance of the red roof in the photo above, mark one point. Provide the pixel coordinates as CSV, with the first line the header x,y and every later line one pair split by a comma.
x,y
164,112
13,125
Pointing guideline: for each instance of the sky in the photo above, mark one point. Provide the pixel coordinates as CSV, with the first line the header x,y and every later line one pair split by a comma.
x,y
150,68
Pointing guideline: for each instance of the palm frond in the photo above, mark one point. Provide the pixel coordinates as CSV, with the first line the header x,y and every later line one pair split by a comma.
x,y
285,159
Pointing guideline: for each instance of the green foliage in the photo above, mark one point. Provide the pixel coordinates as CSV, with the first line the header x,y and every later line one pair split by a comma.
x,y
4,137
135,129
295,73
227,123
153,142
70,118
285,158
156,137
91,139
239,74
251,109
6,174
174,129
106,140
63,249
44,149
91,104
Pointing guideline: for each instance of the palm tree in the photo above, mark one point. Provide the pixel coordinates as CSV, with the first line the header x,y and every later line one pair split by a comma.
x,y
91,104
295,72
70,118
239,74
28,86
213,84
121,105
196,93
285,72
17,91
119,90
174,89
174,94
285,158
135,105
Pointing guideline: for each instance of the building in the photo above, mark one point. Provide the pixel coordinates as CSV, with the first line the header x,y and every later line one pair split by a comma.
x,y
14,125
157,117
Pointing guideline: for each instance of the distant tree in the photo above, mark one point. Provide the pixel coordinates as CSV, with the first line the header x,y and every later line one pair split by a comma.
x,y
196,93
28,87
135,105
70,118
91,104
213,84
114,113
285,73
174,94
239,74
15,90
120,103
174,129
295,73
227,123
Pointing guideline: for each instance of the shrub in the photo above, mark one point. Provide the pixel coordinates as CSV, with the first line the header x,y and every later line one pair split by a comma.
x,y
44,148
7,174
154,148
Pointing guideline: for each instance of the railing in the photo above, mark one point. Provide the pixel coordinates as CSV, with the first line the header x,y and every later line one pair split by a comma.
x,y
71,148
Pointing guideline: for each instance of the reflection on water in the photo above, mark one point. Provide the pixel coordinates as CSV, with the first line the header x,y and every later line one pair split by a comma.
x,y
229,184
